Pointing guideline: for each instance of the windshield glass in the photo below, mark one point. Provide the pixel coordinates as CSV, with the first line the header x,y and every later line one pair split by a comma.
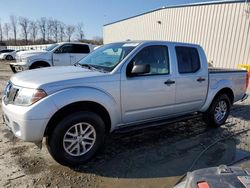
x,y
108,56
51,47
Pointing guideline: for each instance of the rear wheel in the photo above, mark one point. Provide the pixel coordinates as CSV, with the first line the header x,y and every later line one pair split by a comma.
x,y
218,111
76,138
9,57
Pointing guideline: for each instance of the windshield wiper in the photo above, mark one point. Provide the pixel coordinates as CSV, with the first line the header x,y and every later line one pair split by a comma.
x,y
90,67
83,65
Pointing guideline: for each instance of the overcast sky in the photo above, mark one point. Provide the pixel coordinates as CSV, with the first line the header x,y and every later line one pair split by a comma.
x,y
93,13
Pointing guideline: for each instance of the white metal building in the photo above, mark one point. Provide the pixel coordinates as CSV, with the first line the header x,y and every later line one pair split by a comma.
x,y
221,28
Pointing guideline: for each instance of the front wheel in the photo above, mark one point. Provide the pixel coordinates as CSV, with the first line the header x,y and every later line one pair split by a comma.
x,y
218,111
76,138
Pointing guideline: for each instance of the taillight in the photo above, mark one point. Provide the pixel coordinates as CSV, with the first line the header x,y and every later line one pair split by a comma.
x,y
247,81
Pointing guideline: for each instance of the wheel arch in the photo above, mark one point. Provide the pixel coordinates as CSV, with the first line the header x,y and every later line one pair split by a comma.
x,y
39,63
76,107
228,92
213,94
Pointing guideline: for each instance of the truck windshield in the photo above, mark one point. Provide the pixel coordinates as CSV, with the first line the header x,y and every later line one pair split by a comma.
x,y
51,47
108,56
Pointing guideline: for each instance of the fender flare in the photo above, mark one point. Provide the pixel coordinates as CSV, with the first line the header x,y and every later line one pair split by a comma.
x,y
39,60
69,96
214,90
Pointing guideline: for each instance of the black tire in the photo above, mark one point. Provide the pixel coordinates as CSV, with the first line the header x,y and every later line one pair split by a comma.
x,y
9,57
55,140
209,116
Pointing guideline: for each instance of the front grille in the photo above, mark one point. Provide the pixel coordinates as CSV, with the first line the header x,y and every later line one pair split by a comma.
x,y
18,59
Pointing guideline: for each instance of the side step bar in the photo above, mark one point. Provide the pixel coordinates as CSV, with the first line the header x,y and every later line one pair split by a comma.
x,y
133,127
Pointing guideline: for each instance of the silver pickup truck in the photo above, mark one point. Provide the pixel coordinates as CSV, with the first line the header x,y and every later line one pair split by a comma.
x,y
119,86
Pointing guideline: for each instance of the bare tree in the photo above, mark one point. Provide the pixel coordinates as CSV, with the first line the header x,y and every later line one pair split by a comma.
x,y
13,22
70,29
42,26
24,23
80,30
49,28
98,40
1,32
33,30
55,29
61,31
6,29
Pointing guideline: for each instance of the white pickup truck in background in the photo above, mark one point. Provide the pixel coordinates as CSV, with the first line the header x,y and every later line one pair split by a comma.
x,y
59,54
119,86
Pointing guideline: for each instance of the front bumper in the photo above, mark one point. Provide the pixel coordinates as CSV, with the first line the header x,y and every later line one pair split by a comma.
x,y
22,121
15,67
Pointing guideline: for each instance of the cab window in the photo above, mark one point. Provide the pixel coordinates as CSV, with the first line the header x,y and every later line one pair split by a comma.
x,y
156,56
67,48
188,59
81,49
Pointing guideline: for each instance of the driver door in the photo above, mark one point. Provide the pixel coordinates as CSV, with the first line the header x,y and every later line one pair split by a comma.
x,y
61,57
151,95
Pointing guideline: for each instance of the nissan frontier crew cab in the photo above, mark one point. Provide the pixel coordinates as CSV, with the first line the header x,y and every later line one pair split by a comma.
x,y
59,54
118,86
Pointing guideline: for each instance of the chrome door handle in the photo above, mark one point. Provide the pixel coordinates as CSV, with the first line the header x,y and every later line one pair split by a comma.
x,y
169,82
200,79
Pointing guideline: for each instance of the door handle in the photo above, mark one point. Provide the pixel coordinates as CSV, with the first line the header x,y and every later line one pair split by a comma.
x,y
200,79
71,56
169,82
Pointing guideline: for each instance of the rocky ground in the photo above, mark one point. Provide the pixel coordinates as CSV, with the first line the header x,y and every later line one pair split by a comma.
x,y
154,157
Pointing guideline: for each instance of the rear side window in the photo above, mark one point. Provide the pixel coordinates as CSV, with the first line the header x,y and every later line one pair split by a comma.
x,y
188,59
81,49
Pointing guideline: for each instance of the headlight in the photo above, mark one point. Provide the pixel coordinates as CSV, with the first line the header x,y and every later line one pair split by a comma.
x,y
26,97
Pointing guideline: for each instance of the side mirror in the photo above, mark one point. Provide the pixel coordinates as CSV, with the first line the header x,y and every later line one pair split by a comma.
x,y
58,51
140,69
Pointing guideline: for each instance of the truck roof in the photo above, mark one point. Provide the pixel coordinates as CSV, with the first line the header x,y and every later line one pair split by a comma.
x,y
153,41
72,43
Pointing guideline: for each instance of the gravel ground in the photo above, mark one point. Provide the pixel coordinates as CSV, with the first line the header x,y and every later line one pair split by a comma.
x,y
154,157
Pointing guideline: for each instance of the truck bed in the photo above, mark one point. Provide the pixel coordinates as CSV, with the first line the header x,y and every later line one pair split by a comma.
x,y
232,78
223,70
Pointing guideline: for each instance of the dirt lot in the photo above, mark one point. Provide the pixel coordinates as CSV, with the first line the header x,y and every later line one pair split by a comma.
x,y
154,157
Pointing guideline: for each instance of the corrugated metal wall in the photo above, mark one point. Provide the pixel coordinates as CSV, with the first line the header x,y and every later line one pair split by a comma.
x,y
221,29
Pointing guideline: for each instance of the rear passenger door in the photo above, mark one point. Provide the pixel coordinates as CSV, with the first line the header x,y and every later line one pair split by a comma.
x,y
79,51
191,80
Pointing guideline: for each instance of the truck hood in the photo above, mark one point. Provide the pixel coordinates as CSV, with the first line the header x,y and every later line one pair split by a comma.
x,y
54,77
31,53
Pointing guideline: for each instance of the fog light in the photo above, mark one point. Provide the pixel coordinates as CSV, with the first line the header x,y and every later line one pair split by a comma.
x,y
16,128
19,68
